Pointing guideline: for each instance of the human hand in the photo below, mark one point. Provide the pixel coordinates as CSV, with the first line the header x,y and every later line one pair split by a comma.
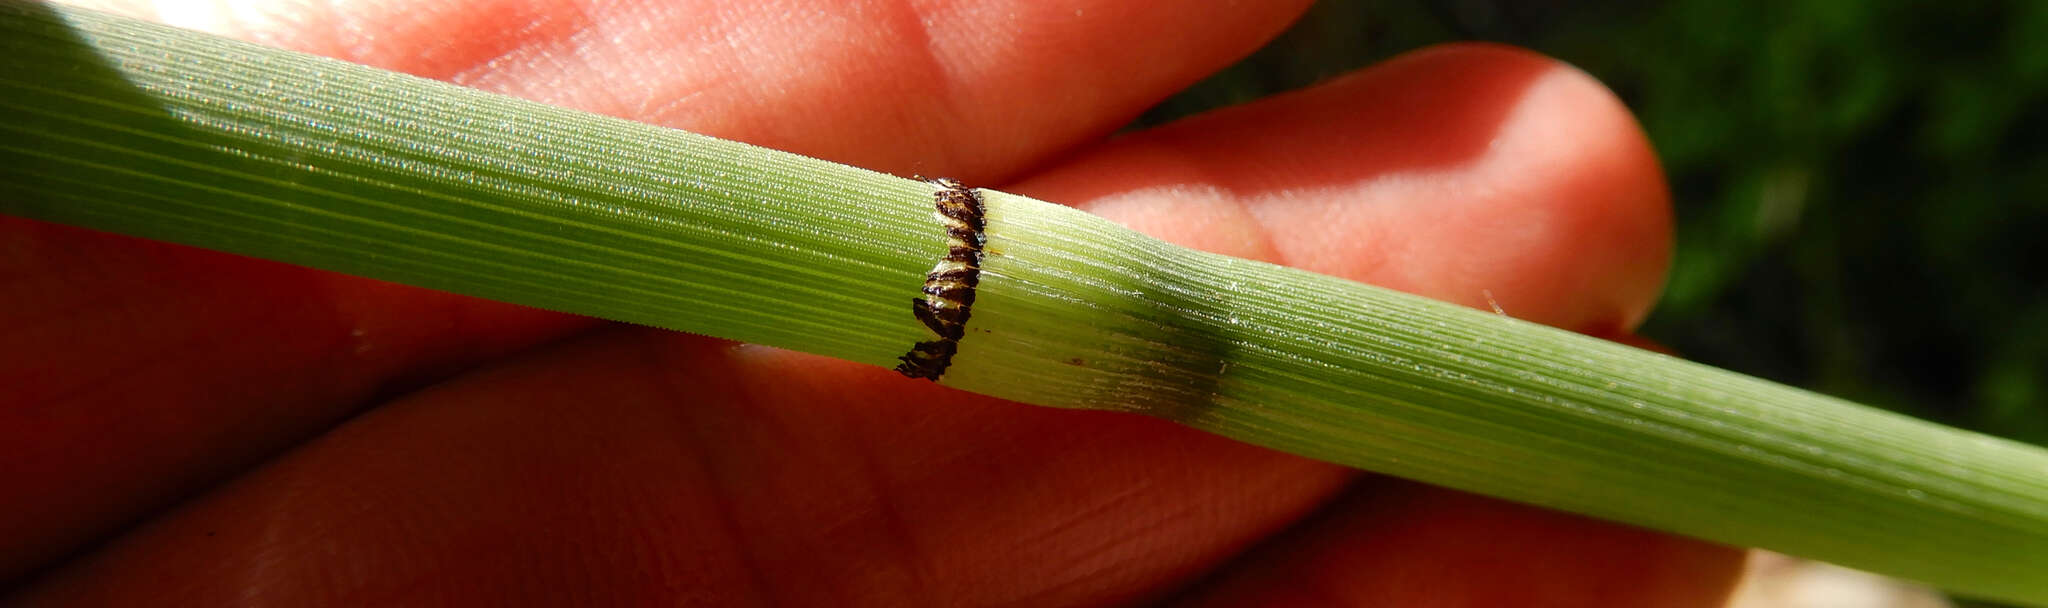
x,y
558,460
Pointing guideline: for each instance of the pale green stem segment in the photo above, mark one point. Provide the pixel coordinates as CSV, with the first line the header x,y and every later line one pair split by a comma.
x,y
151,131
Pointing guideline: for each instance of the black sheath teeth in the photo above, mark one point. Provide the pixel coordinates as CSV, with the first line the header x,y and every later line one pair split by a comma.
x,y
949,287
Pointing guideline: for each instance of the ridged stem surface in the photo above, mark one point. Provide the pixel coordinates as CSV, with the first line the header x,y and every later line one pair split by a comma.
x,y
151,131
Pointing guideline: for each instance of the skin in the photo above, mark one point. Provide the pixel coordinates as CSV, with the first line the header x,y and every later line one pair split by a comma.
x,y
197,428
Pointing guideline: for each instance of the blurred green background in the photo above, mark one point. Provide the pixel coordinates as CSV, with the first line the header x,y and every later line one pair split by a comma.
x,y
1861,187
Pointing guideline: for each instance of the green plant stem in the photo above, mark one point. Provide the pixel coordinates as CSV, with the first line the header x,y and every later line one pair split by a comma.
x,y
151,131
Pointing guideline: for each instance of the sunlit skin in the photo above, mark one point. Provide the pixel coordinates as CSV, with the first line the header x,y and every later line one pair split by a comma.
x,y
186,427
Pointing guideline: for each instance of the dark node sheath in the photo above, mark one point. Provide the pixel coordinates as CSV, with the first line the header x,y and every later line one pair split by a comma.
x,y
963,209
927,360
959,294
970,276
964,235
965,255
950,291
947,328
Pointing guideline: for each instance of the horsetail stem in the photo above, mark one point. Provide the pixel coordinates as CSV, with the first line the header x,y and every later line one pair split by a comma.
x,y
157,132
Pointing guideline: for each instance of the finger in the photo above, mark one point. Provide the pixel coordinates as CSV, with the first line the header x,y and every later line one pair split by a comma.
x,y
139,371
646,468
977,89
147,370
1393,543
1455,172
941,494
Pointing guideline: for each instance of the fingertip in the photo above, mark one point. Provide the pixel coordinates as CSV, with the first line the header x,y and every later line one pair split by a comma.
x,y
1474,173
1598,208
